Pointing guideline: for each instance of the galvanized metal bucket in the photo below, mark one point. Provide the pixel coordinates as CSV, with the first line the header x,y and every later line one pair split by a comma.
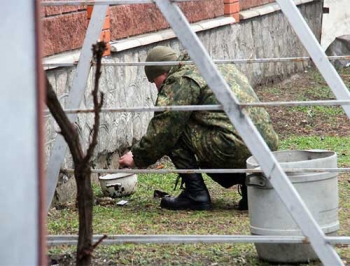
x,y
268,215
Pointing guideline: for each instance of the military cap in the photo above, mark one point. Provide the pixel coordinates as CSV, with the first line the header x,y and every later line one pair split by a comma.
x,y
158,54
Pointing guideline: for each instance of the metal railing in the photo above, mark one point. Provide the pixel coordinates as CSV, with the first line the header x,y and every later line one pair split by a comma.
x,y
269,165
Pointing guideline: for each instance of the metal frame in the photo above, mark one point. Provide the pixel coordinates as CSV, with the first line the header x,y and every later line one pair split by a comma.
x,y
205,107
241,120
105,2
187,239
204,171
217,61
245,127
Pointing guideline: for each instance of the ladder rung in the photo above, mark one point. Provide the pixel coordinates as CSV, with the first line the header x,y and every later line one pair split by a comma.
x,y
218,61
104,2
53,240
187,108
226,171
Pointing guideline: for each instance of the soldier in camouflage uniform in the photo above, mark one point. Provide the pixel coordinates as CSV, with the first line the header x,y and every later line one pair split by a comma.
x,y
196,139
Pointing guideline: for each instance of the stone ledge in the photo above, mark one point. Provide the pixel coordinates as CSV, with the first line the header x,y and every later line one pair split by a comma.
x,y
266,9
141,40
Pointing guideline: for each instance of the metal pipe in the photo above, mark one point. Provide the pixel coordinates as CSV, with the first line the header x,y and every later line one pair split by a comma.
x,y
186,171
104,2
149,109
53,240
206,107
218,61
297,103
341,240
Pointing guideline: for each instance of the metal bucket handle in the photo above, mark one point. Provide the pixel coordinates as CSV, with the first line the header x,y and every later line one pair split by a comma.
x,y
256,180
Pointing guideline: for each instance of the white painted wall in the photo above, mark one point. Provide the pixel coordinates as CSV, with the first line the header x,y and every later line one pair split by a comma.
x,y
337,22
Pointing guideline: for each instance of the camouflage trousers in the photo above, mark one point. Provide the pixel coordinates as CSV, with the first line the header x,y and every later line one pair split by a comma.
x,y
200,147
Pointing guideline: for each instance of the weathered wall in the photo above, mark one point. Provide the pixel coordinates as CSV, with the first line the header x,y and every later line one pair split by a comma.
x,y
337,22
263,36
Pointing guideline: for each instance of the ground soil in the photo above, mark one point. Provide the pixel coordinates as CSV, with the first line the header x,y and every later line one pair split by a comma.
x,y
308,85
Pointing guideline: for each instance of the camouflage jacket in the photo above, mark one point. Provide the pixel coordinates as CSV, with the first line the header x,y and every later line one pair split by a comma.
x,y
185,86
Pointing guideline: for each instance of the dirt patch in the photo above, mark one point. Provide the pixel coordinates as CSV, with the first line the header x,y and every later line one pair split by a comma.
x,y
305,120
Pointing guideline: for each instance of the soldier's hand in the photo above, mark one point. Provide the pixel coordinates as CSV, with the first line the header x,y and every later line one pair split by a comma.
x,y
127,160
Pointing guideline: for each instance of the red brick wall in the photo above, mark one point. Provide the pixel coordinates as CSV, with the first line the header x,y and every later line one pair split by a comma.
x,y
130,20
64,27
246,4
232,8
64,32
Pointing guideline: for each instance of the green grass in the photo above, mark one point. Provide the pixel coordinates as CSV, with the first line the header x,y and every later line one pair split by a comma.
x,y
143,216
312,111
337,144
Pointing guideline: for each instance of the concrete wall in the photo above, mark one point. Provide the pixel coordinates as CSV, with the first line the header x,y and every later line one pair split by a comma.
x,y
263,36
337,22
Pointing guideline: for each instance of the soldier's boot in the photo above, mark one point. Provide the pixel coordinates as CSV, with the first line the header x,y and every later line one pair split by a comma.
x,y
229,180
243,203
243,191
195,195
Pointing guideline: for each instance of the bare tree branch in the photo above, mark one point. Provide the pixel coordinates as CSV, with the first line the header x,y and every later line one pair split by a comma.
x,y
98,50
